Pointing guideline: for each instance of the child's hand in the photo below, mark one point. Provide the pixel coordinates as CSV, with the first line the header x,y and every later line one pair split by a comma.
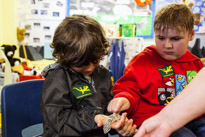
x,y
100,119
118,105
123,126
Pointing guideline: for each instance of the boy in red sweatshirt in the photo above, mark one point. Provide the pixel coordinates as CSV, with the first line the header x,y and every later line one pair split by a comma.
x,y
159,73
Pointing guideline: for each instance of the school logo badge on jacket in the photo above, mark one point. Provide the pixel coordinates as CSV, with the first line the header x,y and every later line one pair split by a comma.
x,y
81,91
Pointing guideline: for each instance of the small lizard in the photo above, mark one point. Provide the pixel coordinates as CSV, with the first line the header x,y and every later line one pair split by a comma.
x,y
112,118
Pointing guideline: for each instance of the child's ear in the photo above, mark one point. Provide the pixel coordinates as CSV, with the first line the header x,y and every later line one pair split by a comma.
x,y
192,35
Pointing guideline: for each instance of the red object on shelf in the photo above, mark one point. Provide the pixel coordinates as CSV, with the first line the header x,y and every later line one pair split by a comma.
x,y
143,3
30,77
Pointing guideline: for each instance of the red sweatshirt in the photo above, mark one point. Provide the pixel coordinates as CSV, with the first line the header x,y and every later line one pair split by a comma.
x,y
151,82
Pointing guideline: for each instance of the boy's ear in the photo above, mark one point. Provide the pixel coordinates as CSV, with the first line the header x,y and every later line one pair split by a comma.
x,y
192,35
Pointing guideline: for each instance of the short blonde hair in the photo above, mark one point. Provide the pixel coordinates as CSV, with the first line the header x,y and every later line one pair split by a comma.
x,y
174,16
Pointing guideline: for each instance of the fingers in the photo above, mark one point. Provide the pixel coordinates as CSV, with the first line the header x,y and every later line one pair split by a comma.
x,y
100,120
117,125
100,124
136,131
117,105
128,129
124,126
140,133
114,106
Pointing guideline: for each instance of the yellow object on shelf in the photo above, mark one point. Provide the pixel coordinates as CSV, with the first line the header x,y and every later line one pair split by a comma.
x,y
0,120
41,64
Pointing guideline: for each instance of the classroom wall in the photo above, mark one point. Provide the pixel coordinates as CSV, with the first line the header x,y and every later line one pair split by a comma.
x,y
8,22
1,26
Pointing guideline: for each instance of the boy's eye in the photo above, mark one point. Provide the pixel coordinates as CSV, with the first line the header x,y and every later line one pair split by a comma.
x,y
161,38
176,38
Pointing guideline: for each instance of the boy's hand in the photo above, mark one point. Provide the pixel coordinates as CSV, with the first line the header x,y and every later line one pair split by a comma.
x,y
123,126
118,105
100,119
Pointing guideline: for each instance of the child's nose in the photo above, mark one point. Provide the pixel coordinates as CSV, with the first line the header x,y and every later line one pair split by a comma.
x,y
168,44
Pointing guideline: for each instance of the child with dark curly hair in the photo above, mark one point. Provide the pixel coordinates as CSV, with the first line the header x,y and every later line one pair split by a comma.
x,y
77,88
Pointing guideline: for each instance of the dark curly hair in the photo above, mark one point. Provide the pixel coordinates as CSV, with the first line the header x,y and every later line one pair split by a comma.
x,y
78,41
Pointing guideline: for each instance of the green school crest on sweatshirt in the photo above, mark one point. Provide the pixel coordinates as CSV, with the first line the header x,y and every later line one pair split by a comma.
x,y
166,71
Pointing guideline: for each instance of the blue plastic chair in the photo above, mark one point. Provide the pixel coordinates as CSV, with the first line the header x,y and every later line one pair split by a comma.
x,y
20,107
